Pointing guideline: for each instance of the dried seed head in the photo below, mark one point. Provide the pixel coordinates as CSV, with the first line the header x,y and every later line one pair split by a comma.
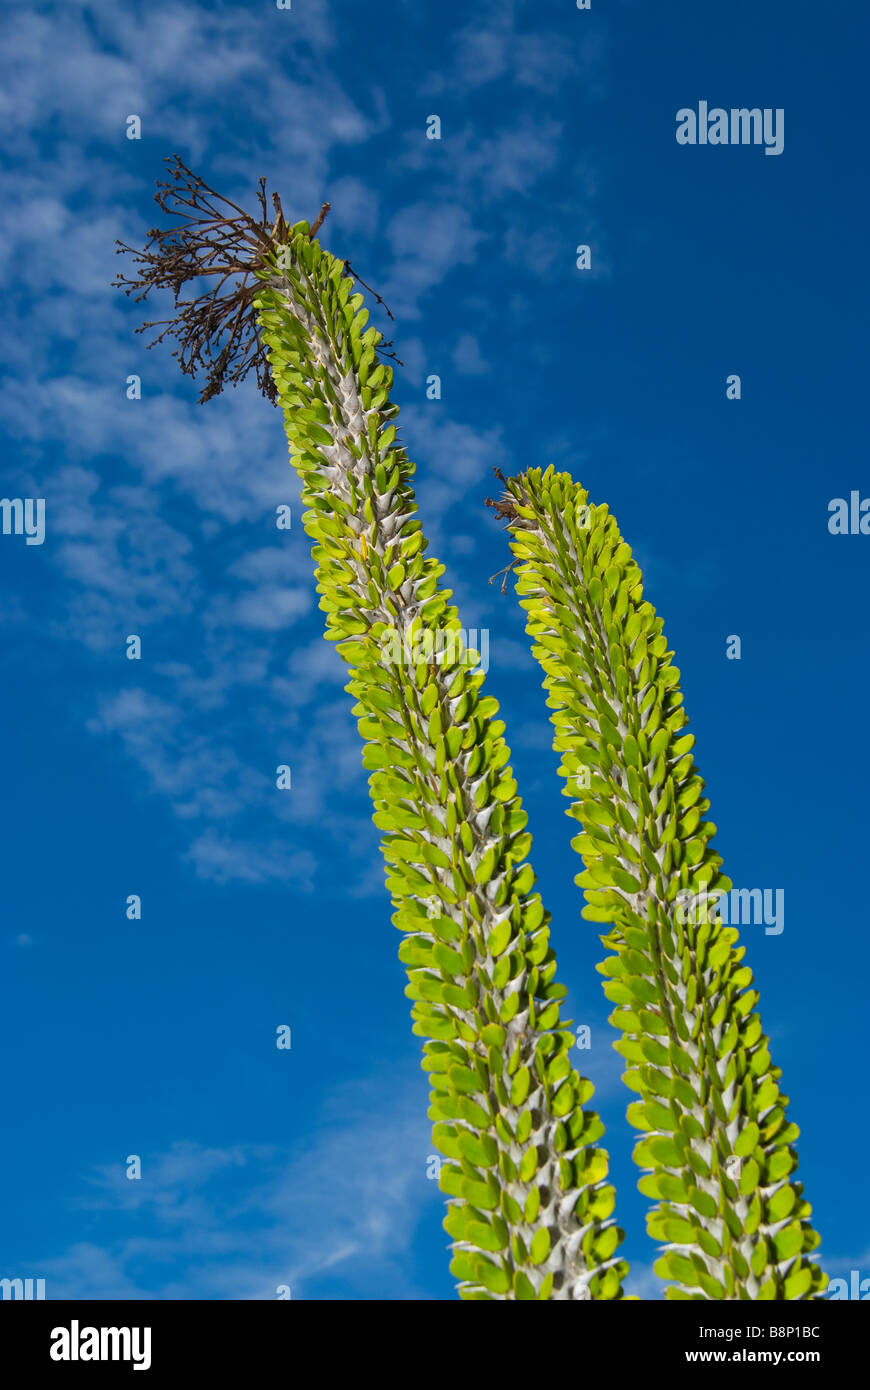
x,y
212,237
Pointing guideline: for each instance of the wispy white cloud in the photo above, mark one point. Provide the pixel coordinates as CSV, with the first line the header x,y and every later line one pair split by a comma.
x,y
642,1283
147,60
497,45
467,358
223,860
458,460
355,207
238,1222
428,240
840,1266
483,167
152,503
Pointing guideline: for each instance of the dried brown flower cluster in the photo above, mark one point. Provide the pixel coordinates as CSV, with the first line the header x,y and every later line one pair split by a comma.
x,y
211,236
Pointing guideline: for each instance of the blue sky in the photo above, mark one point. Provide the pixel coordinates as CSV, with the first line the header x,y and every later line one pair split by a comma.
x,y
156,1037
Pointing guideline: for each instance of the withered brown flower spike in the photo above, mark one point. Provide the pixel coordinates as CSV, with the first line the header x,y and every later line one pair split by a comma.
x,y
503,507
217,331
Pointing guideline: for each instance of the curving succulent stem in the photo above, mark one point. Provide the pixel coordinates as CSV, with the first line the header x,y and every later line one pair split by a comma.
x,y
530,1207
716,1145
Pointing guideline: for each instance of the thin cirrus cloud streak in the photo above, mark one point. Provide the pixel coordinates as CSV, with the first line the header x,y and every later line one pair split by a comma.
x,y
492,47
335,1218
490,167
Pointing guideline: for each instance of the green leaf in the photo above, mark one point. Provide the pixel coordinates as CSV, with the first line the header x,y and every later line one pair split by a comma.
x,y
678,1267
789,1241
487,866
781,1203
797,1285
487,1237
499,938
540,1246
520,1086
747,1140
491,1276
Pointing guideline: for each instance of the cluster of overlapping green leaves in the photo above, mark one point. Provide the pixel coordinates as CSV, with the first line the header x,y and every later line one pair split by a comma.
x,y
530,1207
716,1141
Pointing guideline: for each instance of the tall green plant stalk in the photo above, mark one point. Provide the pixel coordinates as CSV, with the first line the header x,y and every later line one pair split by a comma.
x,y
530,1209
716,1143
